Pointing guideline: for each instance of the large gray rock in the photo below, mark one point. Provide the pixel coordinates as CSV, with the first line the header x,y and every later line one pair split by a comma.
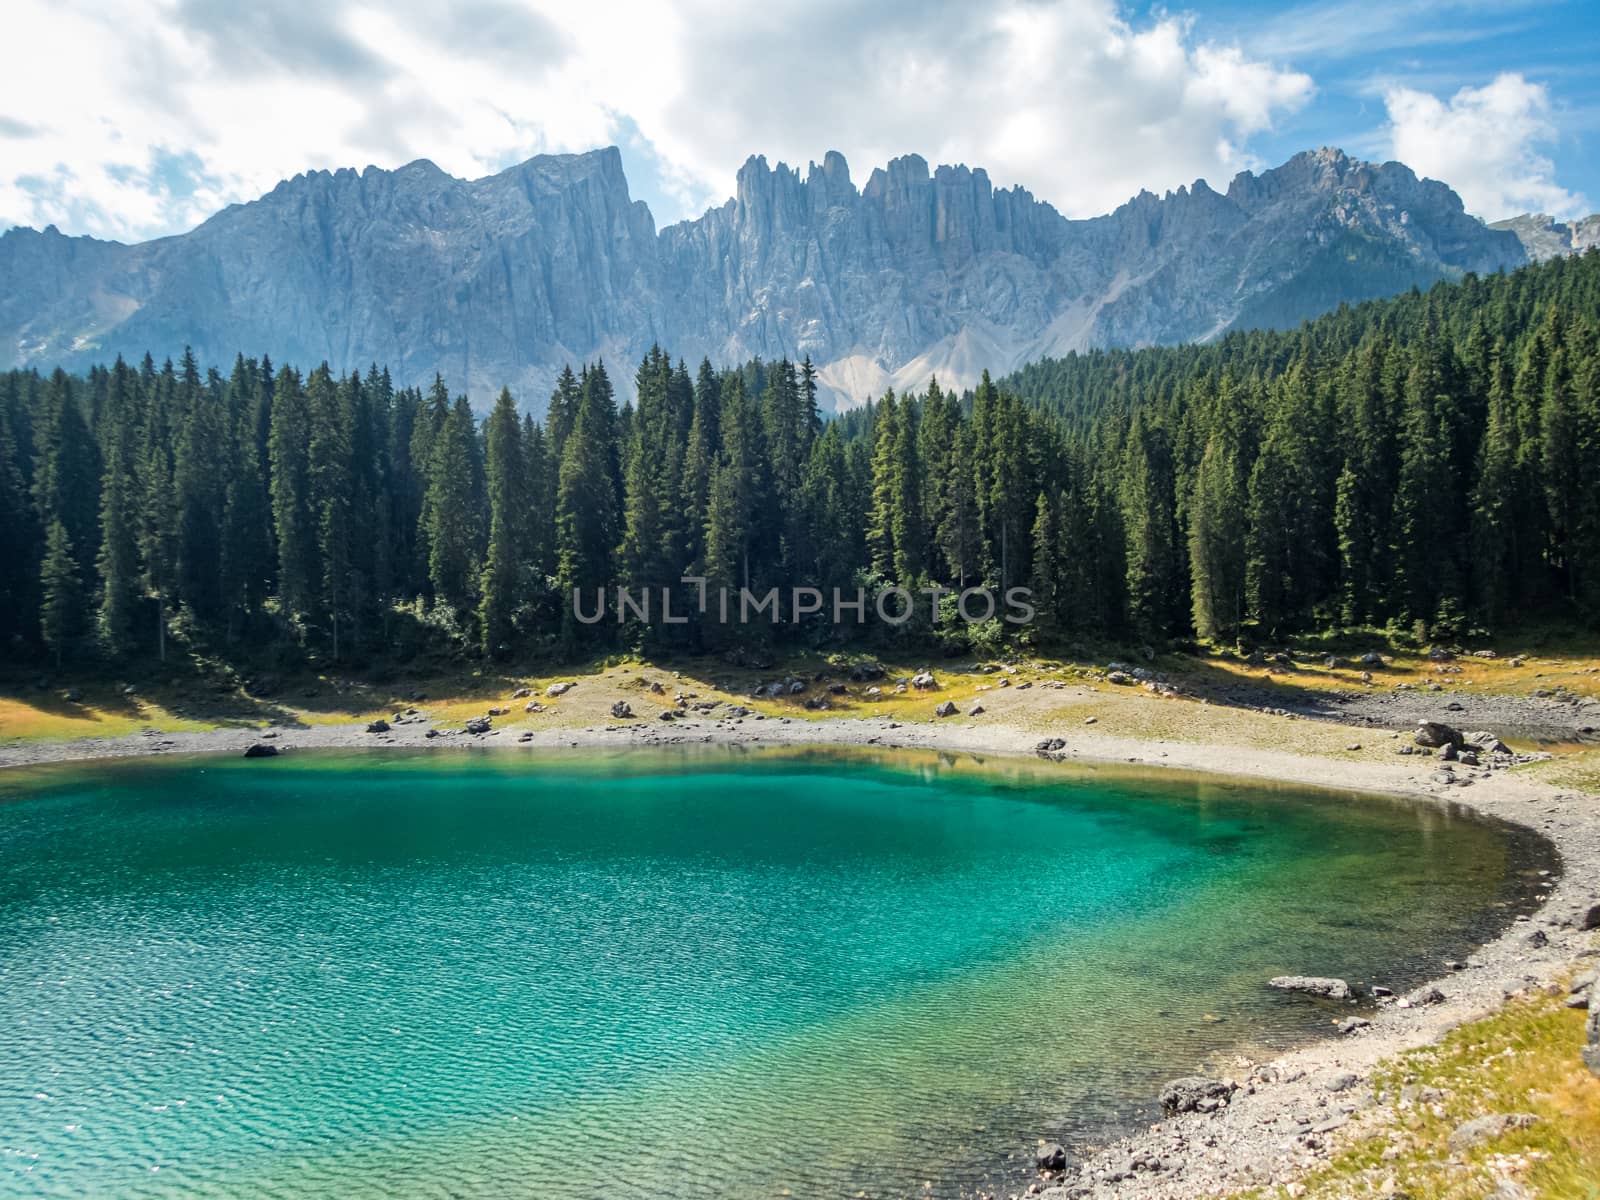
x,y
1436,733
1312,985
504,280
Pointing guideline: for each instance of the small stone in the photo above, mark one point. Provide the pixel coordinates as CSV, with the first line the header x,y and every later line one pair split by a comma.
x,y
1051,1157
1483,1129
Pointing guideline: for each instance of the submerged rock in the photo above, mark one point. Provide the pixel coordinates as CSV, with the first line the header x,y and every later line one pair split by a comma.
x,y
1312,985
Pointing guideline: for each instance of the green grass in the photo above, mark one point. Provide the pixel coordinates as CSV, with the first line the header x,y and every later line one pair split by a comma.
x,y
1523,1059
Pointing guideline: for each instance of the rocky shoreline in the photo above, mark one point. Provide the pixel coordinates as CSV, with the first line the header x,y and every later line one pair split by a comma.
x,y
1229,1126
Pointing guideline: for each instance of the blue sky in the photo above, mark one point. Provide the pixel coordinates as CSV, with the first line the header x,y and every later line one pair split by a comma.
x,y
1356,51
141,118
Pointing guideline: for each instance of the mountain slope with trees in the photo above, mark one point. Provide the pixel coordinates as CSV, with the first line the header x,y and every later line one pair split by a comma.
x,y
1430,463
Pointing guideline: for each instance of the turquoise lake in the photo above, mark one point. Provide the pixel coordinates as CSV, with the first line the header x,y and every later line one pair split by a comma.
x,y
720,974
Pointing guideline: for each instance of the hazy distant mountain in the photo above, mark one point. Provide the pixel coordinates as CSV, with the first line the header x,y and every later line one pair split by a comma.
x,y
503,280
1544,237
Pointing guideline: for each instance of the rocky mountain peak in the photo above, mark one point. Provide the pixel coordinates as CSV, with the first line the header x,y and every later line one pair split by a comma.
x,y
1543,237
505,279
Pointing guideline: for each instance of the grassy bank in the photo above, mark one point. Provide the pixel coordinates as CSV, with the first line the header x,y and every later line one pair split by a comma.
x,y
1522,1060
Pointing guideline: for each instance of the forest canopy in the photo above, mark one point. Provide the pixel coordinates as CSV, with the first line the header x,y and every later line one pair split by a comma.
x,y
1431,460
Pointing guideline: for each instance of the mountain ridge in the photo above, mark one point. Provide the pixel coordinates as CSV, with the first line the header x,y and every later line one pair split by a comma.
x,y
504,279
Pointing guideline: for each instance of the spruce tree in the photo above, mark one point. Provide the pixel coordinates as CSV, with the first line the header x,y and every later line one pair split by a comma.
x,y
119,520
61,609
509,514
453,520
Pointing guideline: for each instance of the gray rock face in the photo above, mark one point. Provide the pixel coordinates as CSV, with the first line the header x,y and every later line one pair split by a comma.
x,y
1543,237
504,280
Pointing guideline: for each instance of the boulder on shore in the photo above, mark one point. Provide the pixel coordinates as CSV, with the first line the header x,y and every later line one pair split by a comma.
x,y
1434,734
258,750
559,689
1052,1156
478,725
1312,985
924,681
1195,1093
378,726
621,709
947,709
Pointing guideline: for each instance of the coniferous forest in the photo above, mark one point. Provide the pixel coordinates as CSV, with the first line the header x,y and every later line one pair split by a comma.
x,y
1429,463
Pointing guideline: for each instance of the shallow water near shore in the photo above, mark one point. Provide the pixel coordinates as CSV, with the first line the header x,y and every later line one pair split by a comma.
x,y
721,973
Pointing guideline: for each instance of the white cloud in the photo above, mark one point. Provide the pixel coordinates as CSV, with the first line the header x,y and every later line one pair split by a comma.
x,y
143,117
1483,143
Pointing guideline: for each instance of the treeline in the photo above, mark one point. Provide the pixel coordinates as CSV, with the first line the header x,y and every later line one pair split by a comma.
x,y
1428,461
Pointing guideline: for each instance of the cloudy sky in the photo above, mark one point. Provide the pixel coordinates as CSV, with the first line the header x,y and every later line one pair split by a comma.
x,y
136,118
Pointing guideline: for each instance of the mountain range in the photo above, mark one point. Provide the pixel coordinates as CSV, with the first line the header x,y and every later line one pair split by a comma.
x,y
506,279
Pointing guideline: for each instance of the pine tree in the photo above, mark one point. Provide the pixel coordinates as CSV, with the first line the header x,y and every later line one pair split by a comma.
x,y
201,490
1217,552
61,612
65,482
586,506
119,491
330,475
1148,501
1494,528
509,502
293,519
18,540
888,487
451,508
